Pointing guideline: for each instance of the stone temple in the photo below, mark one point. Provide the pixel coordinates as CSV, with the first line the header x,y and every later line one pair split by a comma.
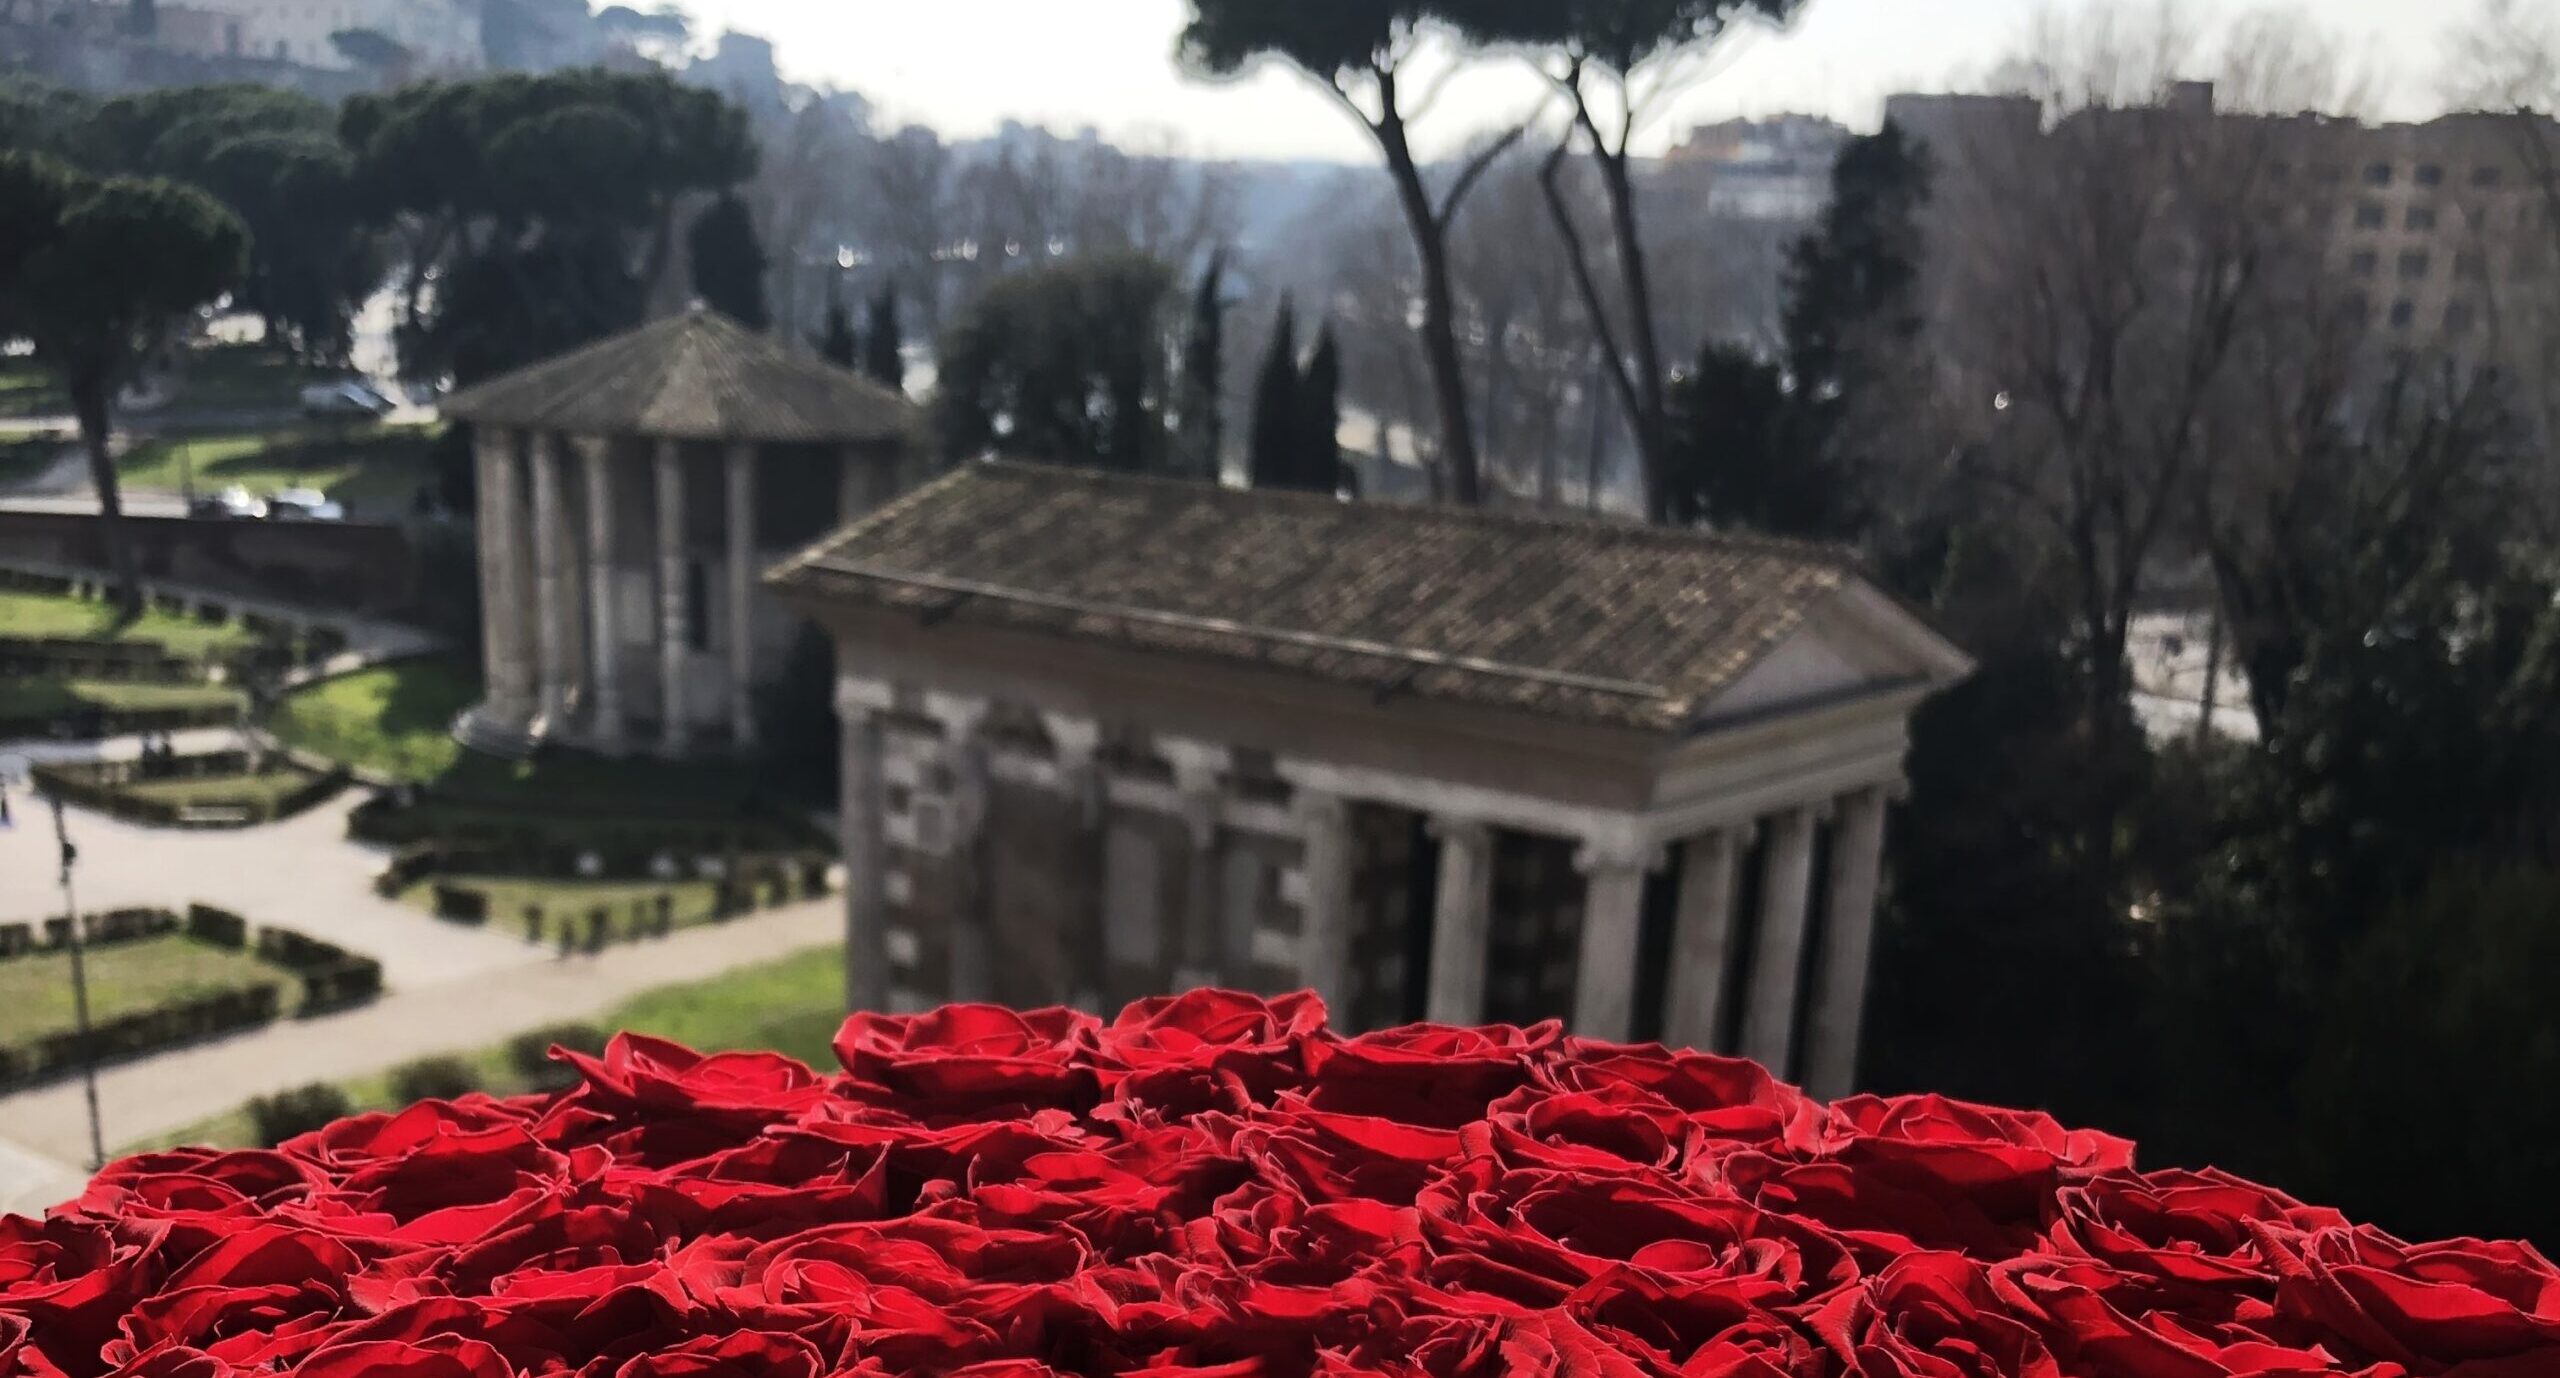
x,y
630,494
1109,736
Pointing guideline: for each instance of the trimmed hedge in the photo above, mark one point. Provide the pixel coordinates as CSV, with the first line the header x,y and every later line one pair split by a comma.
x,y
144,1031
218,927
332,977
292,1114
530,1053
100,788
433,1078
106,929
92,722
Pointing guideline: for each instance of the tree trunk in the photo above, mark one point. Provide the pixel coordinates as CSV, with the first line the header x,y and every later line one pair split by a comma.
x,y
1439,312
1642,332
2212,678
89,402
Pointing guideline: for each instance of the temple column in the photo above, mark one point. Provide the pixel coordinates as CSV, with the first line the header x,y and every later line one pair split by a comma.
x,y
675,733
1324,918
505,666
866,850
1701,942
1769,1013
1079,761
1461,922
551,557
742,594
1604,981
1206,954
603,636
1840,986
964,757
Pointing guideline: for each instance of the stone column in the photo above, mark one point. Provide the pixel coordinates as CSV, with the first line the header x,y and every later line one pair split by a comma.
x,y
1206,954
1604,980
1461,922
866,850
964,756
551,558
1079,747
1840,985
1701,942
1769,1012
674,635
742,594
603,635
505,666
1324,921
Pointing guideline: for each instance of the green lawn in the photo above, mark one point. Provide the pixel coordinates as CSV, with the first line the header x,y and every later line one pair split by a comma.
x,y
88,619
399,719
262,791
228,376
373,470
27,390
52,698
792,1006
510,896
396,718
36,998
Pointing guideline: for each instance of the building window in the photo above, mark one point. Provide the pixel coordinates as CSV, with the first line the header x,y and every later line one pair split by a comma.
x,y
2402,313
2430,175
2330,173
2457,318
2422,217
2471,263
2365,263
2413,265
2487,175
2377,174
2369,215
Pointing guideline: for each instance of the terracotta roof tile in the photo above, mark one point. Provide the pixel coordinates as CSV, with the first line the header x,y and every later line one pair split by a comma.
x,y
1587,620
695,376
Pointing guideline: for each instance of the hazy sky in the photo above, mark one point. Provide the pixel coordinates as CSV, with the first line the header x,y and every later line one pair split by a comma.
x,y
964,66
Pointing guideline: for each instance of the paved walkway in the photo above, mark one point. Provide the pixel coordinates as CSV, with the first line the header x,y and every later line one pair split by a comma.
x,y
301,874
139,1100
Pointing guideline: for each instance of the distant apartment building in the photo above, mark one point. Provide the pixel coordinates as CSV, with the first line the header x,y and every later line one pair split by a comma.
x,y
2438,233
1772,169
437,35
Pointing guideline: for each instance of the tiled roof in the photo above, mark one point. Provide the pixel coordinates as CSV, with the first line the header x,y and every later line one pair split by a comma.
x,y
1586,620
694,376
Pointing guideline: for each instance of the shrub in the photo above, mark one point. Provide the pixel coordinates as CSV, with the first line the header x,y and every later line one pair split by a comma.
x,y
290,1114
434,1078
218,927
530,1053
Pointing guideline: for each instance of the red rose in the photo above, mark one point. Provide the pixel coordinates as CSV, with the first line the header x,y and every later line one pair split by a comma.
x,y
2432,1307
443,1356
1931,1316
1206,1049
966,1060
2187,1238
1427,1074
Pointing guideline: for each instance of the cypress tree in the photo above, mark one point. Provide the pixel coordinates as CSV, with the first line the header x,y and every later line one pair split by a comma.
x,y
882,349
1320,409
1204,364
838,345
1278,415
729,262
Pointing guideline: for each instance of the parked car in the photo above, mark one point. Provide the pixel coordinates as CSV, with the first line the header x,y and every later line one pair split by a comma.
x,y
233,504
304,505
348,398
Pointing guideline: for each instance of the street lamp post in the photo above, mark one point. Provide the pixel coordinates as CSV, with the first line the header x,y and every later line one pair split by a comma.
x,y
15,770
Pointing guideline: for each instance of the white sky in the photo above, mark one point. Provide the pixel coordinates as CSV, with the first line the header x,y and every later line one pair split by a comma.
x,y
965,66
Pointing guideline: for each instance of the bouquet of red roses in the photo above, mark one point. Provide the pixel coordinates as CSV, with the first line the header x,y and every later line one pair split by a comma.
x,y
1213,1185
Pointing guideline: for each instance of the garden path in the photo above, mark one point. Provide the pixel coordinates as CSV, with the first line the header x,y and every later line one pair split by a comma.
x,y
43,1129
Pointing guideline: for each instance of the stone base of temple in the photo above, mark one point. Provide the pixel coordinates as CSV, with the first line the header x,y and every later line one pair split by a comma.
x,y
494,732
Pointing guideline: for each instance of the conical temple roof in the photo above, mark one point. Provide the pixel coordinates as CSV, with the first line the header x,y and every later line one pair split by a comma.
x,y
695,376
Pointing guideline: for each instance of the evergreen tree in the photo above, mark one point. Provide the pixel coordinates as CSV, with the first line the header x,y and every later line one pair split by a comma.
x,y
1320,409
837,344
1204,362
883,348
1278,415
729,262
